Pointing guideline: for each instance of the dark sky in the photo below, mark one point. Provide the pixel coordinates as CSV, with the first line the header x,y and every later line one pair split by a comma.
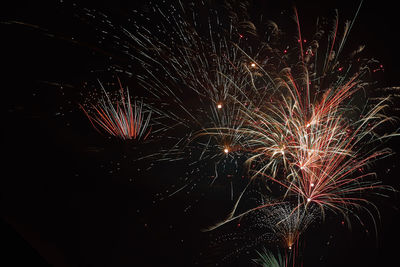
x,y
69,197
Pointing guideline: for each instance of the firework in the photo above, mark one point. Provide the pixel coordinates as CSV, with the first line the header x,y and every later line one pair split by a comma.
x,y
267,259
323,155
288,224
310,138
276,225
124,118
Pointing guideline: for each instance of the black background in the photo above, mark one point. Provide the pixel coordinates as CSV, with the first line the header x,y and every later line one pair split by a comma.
x,y
64,204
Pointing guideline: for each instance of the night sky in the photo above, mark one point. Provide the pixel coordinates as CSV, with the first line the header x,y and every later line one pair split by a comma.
x,y
70,196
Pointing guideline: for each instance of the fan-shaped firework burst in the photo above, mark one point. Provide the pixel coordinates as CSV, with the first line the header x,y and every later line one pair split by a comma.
x,y
124,119
288,223
309,137
316,151
268,259
276,225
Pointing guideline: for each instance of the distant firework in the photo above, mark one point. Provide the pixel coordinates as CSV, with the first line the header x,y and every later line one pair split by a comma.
x,y
123,118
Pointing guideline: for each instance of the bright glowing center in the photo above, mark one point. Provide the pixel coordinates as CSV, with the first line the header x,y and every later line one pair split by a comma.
x,y
312,184
253,65
226,150
308,199
219,106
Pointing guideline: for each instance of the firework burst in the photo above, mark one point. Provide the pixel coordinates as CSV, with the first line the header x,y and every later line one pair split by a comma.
x,y
268,259
320,155
309,137
125,119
